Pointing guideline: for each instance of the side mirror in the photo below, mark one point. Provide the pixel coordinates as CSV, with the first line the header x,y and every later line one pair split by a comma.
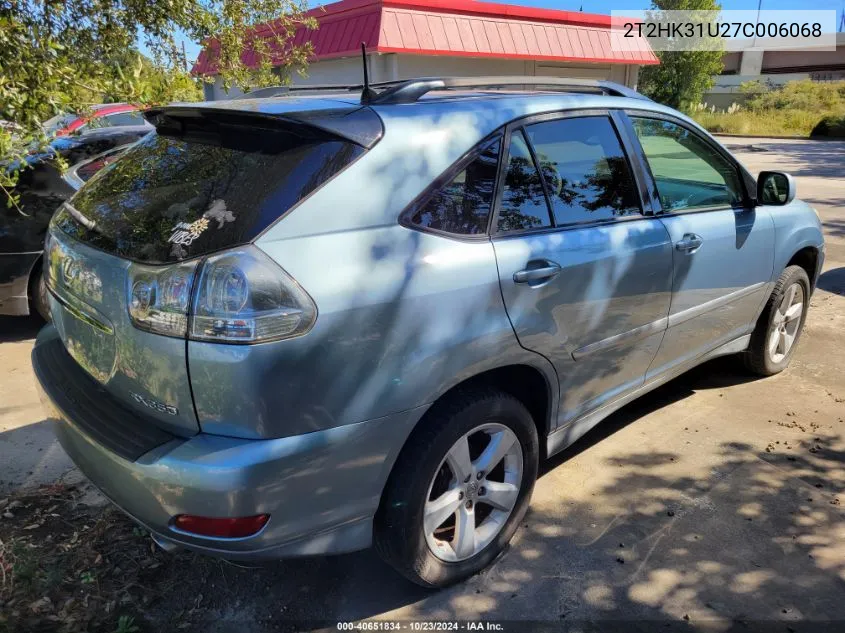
x,y
775,188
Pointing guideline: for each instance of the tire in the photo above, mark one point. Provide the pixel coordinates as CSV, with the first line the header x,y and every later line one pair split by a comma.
x,y
765,355
487,415
39,302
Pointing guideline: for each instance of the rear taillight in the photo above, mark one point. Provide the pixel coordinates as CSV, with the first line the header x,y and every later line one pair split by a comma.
x,y
239,296
159,297
221,527
243,296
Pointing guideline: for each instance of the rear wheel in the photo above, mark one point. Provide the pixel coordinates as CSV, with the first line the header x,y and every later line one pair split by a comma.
x,y
459,488
780,325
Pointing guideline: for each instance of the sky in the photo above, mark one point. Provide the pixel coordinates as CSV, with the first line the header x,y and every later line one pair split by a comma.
x,y
192,49
606,6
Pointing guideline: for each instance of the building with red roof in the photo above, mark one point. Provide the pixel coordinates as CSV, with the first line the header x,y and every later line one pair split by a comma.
x,y
412,38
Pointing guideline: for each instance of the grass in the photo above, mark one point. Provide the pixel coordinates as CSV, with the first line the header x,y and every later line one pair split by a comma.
x,y
794,109
761,123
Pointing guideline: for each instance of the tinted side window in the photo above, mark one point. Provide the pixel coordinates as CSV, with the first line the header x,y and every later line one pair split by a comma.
x,y
463,205
585,169
523,200
86,171
688,172
125,118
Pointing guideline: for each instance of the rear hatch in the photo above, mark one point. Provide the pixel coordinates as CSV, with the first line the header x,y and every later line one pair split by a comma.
x,y
146,371
207,181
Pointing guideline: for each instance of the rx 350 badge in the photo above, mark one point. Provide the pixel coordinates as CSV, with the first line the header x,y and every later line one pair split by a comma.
x,y
155,405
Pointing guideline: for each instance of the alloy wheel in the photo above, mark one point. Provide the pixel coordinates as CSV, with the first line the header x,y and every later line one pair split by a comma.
x,y
785,323
473,492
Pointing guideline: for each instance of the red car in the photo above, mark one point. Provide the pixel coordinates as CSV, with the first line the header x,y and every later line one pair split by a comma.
x,y
106,115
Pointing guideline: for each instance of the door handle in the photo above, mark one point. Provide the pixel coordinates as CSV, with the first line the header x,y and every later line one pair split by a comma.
x,y
689,243
541,274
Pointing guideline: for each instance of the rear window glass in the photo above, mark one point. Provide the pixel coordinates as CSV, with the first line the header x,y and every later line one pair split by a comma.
x,y
170,198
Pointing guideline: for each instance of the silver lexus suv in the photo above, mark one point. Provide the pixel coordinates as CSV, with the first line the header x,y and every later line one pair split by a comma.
x,y
300,325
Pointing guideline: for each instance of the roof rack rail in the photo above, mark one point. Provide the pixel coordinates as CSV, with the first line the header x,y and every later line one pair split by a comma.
x,y
411,90
278,91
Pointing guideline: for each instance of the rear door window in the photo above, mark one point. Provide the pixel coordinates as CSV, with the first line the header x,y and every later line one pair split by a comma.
x,y
524,204
585,169
208,185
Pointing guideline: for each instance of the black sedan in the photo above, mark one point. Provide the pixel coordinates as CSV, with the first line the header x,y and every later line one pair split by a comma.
x,y
42,187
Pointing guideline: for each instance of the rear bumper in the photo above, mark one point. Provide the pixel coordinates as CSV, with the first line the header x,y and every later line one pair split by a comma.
x,y
320,489
15,269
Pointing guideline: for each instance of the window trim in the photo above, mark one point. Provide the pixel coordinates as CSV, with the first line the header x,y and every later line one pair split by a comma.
x,y
447,176
630,113
621,134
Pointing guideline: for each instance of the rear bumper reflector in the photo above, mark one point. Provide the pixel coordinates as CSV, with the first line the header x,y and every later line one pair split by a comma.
x,y
221,527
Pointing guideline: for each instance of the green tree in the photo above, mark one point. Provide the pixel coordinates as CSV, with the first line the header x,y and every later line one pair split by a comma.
x,y
682,77
60,55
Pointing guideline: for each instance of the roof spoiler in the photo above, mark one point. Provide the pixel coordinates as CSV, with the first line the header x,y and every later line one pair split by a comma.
x,y
353,123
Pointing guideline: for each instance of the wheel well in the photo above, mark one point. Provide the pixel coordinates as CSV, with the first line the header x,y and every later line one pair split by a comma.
x,y
807,258
523,382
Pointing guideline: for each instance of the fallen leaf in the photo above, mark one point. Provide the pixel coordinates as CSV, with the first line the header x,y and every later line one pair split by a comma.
x,y
40,605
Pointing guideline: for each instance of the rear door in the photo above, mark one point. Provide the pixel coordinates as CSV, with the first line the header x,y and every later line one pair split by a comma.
x,y
585,271
722,247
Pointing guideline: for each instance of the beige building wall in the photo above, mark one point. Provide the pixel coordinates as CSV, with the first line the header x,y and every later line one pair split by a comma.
x,y
394,66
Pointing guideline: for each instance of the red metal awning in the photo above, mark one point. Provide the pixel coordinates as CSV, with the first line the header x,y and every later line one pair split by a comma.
x,y
458,28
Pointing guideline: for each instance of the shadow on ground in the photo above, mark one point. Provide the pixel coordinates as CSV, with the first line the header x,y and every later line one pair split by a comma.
x,y
833,280
810,158
19,328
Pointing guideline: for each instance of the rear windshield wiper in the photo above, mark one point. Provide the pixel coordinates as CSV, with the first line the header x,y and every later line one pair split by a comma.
x,y
77,215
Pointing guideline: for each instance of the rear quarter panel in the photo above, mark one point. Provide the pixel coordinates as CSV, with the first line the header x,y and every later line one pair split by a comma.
x,y
402,317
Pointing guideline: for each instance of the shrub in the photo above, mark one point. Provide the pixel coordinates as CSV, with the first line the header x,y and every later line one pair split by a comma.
x,y
796,95
798,108
833,126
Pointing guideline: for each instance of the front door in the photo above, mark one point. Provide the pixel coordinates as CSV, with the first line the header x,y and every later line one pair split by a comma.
x,y
585,273
722,247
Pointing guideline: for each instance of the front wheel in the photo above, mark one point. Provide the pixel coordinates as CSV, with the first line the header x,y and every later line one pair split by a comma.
x,y
459,488
780,325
